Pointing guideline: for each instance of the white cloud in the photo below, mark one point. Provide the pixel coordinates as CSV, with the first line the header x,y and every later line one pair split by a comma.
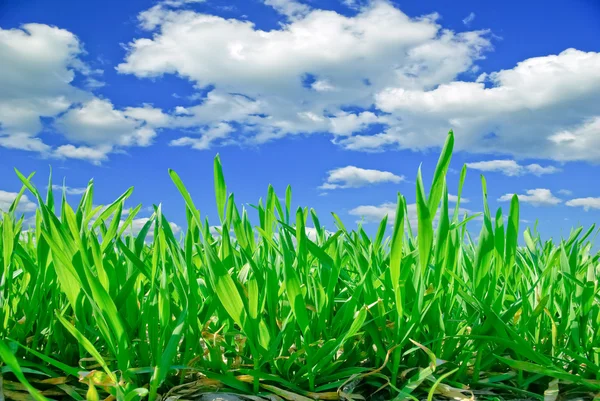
x,y
7,198
354,4
344,123
374,214
137,224
565,192
97,122
512,168
394,72
507,167
579,141
206,138
40,64
95,155
585,203
454,199
537,197
69,190
152,116
289,8
24,141
469,18
519,111
93,83
408,65
355,177
179,3
322,86
312,234
350,57
538,170
182,110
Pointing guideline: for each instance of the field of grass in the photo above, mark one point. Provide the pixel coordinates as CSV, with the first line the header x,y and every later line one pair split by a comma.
x,y
88,311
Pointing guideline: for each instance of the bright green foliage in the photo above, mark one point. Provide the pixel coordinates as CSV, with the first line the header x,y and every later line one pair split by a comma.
x,y
95,310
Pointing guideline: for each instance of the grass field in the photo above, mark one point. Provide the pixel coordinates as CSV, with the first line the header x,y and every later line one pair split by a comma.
x,y
88,311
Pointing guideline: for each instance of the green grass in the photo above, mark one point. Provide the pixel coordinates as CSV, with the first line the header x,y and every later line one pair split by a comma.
x,y
88,311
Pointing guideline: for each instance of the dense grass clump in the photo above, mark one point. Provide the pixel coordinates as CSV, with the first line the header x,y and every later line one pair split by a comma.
x,y
89,311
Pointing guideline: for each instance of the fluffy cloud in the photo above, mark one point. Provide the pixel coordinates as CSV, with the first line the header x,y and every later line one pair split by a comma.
x,y
520,111
96,122
537,197
585,203
151,115
348,58
375,80
23,141
374,214
406,67
512,168
355,177
40,65
95,155
7,198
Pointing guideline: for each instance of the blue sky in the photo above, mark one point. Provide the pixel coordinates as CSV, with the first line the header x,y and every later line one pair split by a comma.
x,y
341,99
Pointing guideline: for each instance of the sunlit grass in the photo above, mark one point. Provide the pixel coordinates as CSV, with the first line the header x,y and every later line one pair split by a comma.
x,y
90,311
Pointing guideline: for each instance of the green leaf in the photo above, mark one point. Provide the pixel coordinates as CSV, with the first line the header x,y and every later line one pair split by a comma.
x,y
220,187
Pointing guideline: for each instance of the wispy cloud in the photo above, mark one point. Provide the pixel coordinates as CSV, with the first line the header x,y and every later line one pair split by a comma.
x,y
69,190
511,168
468,19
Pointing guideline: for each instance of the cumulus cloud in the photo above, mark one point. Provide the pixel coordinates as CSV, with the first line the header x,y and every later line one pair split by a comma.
x,y
585,203
350,59
40,64
405,67
537,197
379,80
149,114
519,111
7,198
97,122
512,168
356,177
